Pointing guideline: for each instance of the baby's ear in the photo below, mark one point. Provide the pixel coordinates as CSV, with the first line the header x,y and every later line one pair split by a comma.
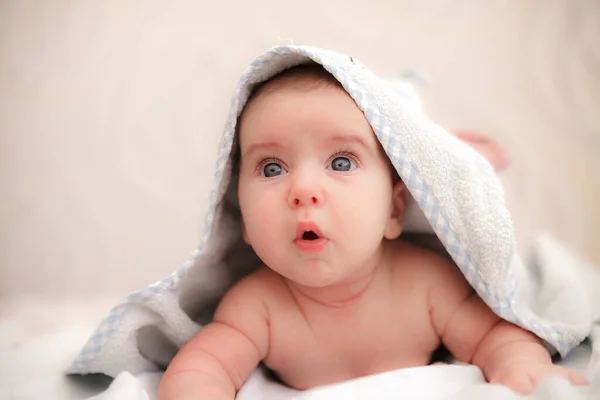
x,y
394,225
487,147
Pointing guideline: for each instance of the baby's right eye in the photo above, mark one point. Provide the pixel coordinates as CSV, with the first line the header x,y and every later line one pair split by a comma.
x,y
271,169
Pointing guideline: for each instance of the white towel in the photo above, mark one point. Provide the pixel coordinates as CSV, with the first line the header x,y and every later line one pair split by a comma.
x,y
455,194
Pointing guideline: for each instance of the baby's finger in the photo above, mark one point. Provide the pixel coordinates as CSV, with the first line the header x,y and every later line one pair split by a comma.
x,y
577,379
522,383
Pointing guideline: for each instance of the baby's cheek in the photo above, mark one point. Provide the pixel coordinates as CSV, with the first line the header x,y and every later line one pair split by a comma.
x,y
370,206
253,220
363,223
261,222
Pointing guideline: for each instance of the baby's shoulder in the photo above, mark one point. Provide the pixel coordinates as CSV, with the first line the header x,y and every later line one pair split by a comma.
x,y
262,284
250,296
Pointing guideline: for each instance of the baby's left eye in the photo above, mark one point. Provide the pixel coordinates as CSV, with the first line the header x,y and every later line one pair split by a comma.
x,y
342,163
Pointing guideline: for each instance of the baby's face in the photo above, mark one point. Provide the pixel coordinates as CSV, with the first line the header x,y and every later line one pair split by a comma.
x,y
315,190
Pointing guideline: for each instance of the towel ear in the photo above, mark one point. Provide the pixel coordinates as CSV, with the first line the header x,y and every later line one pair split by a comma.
x,y
394,225
486,146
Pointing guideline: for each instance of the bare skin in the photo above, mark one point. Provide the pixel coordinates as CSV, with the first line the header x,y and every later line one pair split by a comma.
x,y
357,301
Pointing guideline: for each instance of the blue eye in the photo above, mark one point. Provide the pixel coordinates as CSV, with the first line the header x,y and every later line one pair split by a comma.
x,y
272,169
342,164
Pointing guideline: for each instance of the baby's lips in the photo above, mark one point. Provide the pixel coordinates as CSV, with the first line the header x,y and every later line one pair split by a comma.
x,y
307,226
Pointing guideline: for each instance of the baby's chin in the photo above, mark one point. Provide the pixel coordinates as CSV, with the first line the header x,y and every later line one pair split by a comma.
x,y
316,276
315,283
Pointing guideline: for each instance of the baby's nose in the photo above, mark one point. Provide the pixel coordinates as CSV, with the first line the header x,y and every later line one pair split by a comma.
x,y
305,192
304,200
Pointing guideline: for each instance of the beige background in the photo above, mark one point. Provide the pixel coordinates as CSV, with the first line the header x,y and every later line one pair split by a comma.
x,y
110,112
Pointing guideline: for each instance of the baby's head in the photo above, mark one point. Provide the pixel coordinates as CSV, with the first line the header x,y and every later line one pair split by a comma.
x,y
317,193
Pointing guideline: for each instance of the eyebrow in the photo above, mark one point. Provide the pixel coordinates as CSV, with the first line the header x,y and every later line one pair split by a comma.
x,y
260,145
352,139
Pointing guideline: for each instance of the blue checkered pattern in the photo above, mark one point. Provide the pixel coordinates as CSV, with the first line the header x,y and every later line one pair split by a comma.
x,y
100,337
501,303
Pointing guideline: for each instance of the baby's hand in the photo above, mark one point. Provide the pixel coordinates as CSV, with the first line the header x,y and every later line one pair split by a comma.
x,y
523,376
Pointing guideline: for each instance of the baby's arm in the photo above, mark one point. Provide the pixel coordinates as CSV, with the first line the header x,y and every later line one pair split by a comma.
x,y
506,353
219,359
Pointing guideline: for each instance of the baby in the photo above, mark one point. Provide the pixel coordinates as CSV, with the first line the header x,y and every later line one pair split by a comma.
x,y
340,296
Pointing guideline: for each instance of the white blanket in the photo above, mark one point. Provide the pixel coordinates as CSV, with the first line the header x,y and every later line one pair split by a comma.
x,y
435,382
411,383
454,191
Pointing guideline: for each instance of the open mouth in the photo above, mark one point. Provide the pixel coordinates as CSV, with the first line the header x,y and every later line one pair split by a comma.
x,y
309,238
308,231
310,235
